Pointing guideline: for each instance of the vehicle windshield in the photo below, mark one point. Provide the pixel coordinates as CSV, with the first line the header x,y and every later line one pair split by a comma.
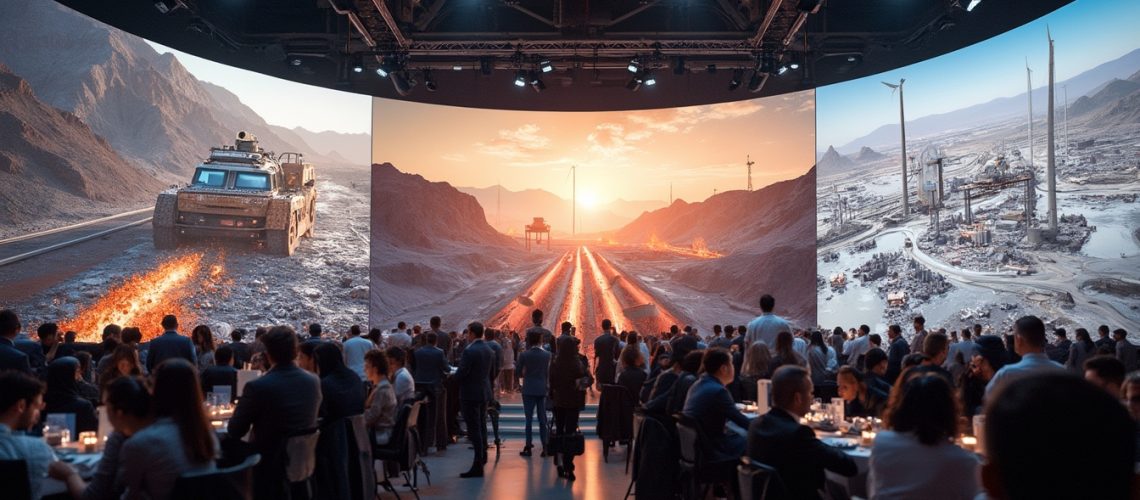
x,y
209,177
252,181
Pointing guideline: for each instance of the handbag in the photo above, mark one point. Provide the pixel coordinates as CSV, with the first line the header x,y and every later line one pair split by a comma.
x,y
570,444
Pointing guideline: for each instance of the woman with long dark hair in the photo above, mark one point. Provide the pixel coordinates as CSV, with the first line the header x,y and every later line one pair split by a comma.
x,y
785,354
203,340
1082,349
817,358
122,362
179,441
568,383
916,457
63,394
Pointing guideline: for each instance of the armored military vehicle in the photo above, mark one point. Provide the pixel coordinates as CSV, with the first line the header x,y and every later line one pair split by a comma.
x,y
241,192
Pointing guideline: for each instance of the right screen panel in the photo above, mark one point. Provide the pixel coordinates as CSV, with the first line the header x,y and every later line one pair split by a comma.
x,y
978,242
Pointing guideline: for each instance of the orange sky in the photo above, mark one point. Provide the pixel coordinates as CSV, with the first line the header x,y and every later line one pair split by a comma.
x,y
633,155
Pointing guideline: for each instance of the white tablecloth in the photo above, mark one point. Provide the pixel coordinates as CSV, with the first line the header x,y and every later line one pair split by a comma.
x,y
84,464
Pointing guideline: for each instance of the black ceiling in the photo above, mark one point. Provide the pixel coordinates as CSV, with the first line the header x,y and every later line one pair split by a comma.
x,y
473,50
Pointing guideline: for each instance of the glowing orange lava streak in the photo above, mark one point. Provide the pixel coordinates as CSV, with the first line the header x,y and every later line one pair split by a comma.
x,y
573,311
140,301
515,314
639,296
610,305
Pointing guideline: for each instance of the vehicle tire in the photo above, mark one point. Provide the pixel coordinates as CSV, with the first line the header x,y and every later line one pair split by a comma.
x,y
282,242
165,238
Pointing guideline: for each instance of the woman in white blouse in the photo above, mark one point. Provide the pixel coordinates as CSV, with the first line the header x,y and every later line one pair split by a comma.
x,y
916,457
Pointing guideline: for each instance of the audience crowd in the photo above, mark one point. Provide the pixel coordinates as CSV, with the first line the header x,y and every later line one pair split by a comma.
x,y
1040,405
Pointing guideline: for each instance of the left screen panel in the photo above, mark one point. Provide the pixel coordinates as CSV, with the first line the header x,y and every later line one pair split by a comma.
x,y
101,130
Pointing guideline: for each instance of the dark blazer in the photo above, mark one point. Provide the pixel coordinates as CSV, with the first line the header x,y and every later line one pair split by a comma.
x,y
281,403
896,352
12,358
474,373
779,440
170,345
342,394
632,379
534,369
662,389
679,392
710,405
214,376
430,365
242,353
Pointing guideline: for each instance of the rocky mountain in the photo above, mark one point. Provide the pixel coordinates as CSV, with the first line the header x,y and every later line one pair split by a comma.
x,y
1114,103
408,211
52,164
1002,108
509,211
868,155
832,162
353,148
768,237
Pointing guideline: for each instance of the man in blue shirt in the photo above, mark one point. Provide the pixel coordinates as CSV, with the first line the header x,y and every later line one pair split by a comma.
x,y
1029,341
766,326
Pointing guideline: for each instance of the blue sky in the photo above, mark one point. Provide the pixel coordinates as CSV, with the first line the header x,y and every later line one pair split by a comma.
x,y
1085,33
283,102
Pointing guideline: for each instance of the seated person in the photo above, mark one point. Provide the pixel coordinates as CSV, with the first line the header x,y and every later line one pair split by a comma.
x,y
859,399
680,390
779,440
1024,440
179,441
875,370
63,396
916,457
632,374
380,407
222,373
21,397
710,405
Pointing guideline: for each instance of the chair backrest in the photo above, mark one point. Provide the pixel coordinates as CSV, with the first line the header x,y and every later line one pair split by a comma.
x,y
689,438
754,478
360,443
14,477
414,413
231,483
301,455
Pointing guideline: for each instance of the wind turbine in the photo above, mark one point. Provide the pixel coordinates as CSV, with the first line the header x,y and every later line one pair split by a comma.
x,y
902,141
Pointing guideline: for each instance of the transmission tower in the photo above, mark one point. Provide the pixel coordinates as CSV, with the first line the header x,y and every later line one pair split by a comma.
x,y
750,163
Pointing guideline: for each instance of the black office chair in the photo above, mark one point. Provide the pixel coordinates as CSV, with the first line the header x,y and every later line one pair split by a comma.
x,y
231,483
415,463
14,477
397,451
698,471
756,479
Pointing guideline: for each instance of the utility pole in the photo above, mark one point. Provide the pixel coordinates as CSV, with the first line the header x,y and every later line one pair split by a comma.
x,y
902,140
1029,95
1051,167
749,161
1065,89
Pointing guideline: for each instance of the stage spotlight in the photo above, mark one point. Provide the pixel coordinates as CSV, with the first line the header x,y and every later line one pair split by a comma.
x,y
168,6
296,61
757,81
782,69
403,83
972,4
634,66
429,82
536,82
457,68
387,66
737,79
520,78
794,65
649,79
634,84
545,66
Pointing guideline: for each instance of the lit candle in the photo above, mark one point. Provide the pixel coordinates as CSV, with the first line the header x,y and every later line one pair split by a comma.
x,y
868,438
969,442
217,424
88,441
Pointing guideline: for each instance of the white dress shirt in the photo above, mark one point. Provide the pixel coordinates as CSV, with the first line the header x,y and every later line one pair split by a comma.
x,y
901,467
1034,363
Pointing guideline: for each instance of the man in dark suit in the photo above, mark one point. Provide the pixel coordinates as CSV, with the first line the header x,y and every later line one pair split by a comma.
x,y
170,345
779,440
547,336
605,354
896,351
240,349
474,377
710,405
221,373
282,403
10,357
431,369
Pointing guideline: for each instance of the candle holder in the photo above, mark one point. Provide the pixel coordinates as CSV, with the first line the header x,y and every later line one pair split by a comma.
x,y
88,441
970,443
868,438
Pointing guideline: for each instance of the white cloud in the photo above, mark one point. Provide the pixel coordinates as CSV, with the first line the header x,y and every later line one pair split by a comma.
x,y
684,119
455,157
519,143
609,140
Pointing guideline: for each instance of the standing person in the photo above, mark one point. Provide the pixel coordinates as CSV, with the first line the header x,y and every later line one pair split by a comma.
x,y
567,372
443,342
179,441
632,374
534,369
399,337
281,403
1079,351
169,345
475,392
10,357
355,347
916,457
897,350
1126,351
1030,343
431,370
757,360
239,348
818,359
1059,351
836,340
315,331
605,355
766,326
1104,341
785,354
856,348
961,353
203,340
506,363
920,333
547,335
